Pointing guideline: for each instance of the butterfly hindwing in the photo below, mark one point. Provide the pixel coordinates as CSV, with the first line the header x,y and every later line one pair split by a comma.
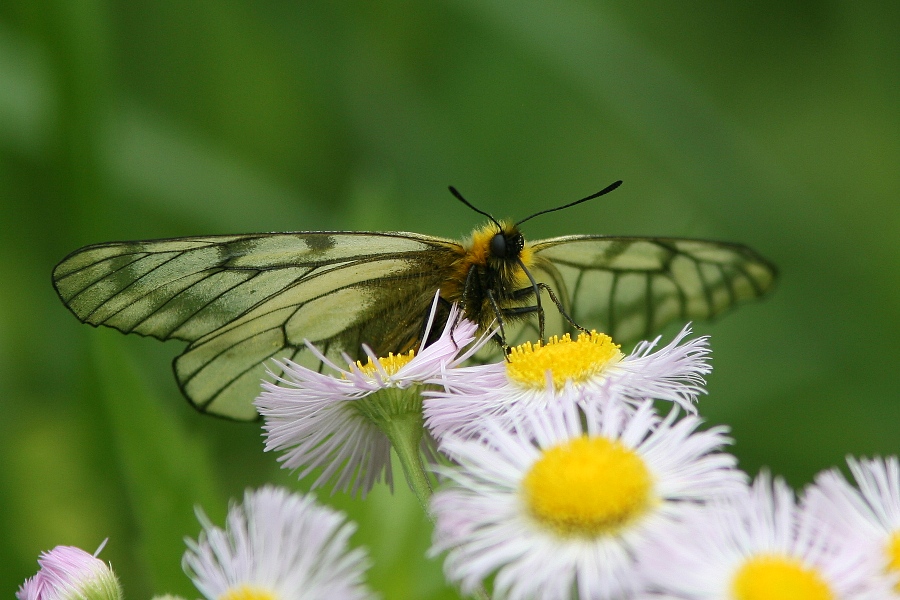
x,y
631,287
221,371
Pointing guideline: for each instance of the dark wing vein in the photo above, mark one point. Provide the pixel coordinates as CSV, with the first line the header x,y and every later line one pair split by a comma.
x,y
172,303
108,272
124,291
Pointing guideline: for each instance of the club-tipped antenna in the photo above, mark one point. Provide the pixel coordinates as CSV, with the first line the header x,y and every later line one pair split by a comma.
x,y
605,190
459,197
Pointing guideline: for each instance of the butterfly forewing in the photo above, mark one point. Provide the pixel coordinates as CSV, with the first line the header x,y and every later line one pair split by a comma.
x,y
632,287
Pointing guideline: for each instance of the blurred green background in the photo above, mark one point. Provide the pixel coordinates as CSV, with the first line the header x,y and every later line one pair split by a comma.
x,y
773,124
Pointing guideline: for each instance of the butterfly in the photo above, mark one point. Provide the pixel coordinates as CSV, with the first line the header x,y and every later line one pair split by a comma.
x,y
241,300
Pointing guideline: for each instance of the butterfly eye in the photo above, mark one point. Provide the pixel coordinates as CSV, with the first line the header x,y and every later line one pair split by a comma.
x,y
498,246
516,243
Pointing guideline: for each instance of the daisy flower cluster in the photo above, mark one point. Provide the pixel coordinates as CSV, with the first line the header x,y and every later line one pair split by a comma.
x,y
570,469
567,469
565,482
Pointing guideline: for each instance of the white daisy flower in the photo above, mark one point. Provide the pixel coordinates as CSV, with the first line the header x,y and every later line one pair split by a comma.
x,y
570,511
69,573
591,369
346,424
277,546
868,516
754,545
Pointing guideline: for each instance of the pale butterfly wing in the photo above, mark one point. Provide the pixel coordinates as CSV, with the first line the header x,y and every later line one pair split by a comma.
x,y
631,287
242,300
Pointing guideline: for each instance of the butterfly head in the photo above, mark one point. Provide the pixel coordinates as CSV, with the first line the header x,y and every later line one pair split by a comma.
x,y
507,243
497,244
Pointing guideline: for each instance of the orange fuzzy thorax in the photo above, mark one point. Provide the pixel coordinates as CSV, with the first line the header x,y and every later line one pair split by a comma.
x,y
478,246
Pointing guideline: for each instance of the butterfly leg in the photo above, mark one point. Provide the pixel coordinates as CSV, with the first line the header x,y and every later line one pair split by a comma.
x,y
516,311
498,313
535,288
560,308
525,292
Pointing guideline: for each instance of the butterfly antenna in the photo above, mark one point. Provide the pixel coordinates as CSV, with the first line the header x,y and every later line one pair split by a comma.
x,y
605,190
459,197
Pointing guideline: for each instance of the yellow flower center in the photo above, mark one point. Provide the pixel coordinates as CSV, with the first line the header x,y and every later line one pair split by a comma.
x,y
565,359
587,487
773,577
246,592
893,555
390,363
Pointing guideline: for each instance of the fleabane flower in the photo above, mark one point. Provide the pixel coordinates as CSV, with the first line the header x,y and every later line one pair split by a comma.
x,y
755,545
277,546
867,515
590,370
346,423
569,509
69,573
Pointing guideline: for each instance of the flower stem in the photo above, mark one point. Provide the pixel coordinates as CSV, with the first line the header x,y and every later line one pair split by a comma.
x,y
405,433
